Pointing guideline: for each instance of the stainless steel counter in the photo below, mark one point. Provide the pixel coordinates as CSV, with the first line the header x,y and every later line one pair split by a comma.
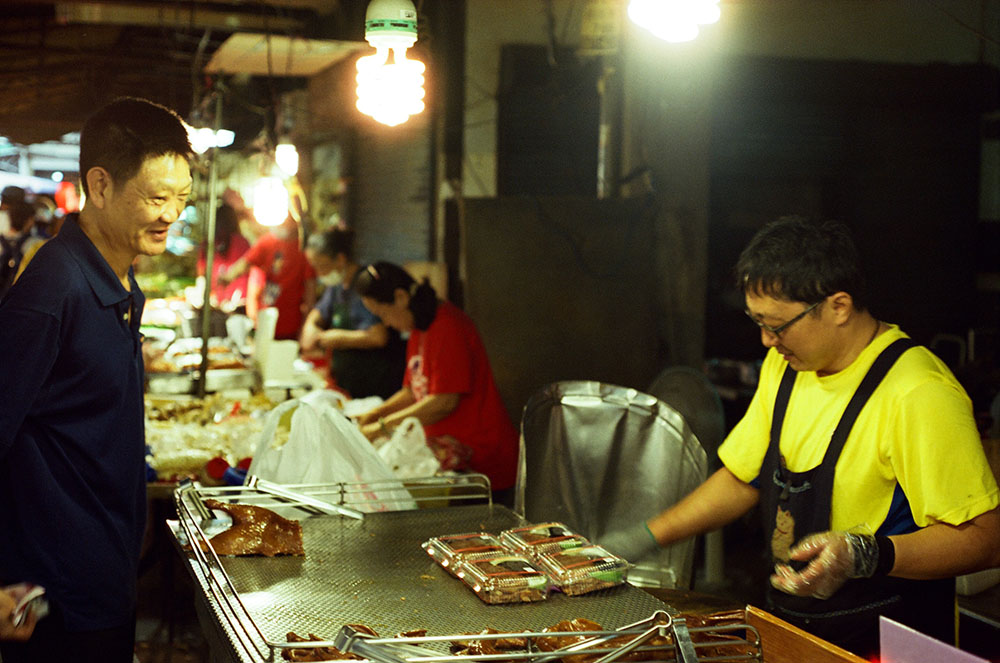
x,y
374,572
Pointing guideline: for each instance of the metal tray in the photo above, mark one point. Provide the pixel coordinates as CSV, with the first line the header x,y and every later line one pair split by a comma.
x,y
372,571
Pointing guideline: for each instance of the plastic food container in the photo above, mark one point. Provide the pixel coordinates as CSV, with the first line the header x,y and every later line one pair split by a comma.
x,y
505,579
580,570
545,538
448,550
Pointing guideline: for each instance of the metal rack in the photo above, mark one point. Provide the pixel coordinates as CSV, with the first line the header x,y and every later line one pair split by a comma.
x,y
660,636
364,565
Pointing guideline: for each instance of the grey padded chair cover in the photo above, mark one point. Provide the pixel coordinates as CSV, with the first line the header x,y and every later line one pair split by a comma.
x,y
599,457
690,392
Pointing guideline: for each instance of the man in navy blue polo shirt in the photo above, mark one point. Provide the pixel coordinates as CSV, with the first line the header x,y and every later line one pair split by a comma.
x,y
72,471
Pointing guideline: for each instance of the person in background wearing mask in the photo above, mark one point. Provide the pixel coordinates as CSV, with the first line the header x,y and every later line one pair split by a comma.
x,y
368,358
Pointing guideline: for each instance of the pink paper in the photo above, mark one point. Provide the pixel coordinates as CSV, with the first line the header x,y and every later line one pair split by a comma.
x,y
902,644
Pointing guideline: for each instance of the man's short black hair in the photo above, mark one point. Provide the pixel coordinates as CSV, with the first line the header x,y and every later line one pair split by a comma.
x,y
127,132
802,260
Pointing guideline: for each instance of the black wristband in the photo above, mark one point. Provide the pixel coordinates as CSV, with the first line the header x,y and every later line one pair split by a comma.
x,y
886,556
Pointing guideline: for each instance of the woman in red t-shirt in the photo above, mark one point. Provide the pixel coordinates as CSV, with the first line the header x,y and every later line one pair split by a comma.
x,y
448,383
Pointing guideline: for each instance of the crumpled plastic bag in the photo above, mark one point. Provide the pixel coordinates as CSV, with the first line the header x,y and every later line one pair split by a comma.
x,y
309,440
407,453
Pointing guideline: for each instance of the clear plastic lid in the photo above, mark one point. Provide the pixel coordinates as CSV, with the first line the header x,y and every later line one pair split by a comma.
x,y
534,540
447,550
505,579
581,570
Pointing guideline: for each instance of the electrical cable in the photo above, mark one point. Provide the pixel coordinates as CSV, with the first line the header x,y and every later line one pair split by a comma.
x,y
979,33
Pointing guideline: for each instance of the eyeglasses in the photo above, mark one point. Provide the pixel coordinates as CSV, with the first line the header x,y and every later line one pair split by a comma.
x,y
777,331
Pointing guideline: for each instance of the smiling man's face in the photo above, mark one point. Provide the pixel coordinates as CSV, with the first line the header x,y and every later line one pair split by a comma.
x,y
141,210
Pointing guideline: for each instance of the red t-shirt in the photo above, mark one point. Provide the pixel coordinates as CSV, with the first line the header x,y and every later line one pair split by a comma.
x,y
287,271
449,358
238,245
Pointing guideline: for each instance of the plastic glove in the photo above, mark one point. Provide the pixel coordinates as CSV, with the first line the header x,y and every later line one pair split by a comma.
x,y
633,543
833,557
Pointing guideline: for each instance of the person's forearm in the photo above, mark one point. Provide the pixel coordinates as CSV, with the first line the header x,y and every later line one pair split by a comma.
x,y
359,339
236,270
721,499
398,401
310,336
429,410
943,551
309,295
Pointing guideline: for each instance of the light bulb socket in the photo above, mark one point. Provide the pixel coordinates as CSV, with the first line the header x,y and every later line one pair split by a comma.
x,y
391,18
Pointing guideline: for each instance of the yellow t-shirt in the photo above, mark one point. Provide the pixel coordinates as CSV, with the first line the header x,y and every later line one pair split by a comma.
x,y
917,429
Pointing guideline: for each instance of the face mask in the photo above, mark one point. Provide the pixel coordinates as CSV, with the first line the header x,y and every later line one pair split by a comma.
x,y
332,278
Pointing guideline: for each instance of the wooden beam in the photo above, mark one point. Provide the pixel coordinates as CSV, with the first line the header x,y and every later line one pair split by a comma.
x,y
318,6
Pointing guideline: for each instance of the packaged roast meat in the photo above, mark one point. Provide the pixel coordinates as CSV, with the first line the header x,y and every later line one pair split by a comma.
x,y
586,569
535,540
450,549
505,579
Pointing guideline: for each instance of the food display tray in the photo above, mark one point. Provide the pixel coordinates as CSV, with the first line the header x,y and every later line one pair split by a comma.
x,y
373,571
219,379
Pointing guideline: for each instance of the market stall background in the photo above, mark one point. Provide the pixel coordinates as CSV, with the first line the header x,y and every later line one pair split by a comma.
x,y
879,113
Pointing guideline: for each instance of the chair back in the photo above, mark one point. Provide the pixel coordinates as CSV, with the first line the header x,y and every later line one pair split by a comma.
x,y
598,457
690,392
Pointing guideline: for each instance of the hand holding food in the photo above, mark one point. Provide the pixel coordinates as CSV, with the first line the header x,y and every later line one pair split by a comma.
x,y
834,558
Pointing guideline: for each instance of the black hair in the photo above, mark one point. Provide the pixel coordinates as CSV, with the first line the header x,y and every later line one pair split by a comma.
x,y
127,132
12,195
21,214
380,281
227,224
803,260
333,242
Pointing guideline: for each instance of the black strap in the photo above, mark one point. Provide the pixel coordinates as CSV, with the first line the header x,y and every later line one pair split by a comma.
x,y
781,405
879,368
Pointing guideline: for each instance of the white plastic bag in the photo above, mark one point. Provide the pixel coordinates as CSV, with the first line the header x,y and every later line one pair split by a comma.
x,y
407,453
310,441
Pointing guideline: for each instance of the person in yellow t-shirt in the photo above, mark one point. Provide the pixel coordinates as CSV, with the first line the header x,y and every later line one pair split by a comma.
x,y
859,446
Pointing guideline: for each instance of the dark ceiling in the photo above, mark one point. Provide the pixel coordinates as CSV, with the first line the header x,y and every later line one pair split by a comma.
x,y
60,61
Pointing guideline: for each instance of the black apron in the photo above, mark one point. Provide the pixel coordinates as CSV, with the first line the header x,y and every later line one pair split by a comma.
x,y
795,504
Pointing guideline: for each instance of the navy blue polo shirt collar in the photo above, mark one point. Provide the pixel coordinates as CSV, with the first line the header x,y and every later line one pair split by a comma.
x,y
101,278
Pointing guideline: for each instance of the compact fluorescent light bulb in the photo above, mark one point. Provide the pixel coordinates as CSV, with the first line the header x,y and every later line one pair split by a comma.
x,y
390,86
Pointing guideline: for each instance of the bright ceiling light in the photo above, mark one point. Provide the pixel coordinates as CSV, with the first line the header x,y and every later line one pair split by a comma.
x,y
204,138
674,20
287,158
270,201
390,86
